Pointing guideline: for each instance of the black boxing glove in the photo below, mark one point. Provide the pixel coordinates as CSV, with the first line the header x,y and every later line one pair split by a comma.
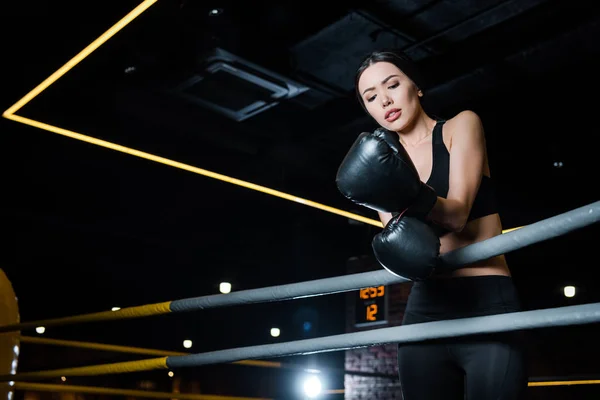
x,y
407,247
378,173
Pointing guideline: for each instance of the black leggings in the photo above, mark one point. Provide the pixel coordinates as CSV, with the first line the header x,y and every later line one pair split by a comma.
x,y
483,367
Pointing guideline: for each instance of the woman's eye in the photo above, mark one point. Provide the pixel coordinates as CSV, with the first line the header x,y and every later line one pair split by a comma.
x,y
370,99
395,85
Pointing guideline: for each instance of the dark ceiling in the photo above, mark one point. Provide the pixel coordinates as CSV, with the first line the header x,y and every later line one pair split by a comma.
x,y
89,228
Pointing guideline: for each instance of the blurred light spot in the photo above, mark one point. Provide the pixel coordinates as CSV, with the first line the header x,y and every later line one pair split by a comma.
x,y
225,287
569,291
312,386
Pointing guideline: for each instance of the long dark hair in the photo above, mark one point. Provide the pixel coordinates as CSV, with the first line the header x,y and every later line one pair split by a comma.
x,y
396,57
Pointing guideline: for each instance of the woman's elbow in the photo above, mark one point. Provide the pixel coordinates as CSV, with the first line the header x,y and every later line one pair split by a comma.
x,y
458,221
457,225
451,214
451,223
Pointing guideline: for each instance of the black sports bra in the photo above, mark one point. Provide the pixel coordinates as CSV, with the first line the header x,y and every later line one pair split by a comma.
x,y
485,201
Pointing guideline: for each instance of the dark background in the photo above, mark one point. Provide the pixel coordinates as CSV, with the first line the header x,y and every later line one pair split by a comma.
x,y
87,228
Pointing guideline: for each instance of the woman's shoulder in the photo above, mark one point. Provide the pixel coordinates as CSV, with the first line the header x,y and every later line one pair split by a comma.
x,y
465,118
465,123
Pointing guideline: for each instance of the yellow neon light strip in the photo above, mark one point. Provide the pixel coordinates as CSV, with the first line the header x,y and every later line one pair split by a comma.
x,y
200,171
186,167
43,387
10,114
79,57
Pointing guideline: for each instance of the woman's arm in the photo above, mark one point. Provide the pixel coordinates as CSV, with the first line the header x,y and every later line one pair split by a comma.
x,y
384,217
467,157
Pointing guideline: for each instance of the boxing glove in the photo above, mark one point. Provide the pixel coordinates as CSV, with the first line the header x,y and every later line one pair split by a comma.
x,y
378,173
407,247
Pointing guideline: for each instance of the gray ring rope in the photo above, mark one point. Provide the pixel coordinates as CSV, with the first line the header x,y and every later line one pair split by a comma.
x,y
534,233
523,320
537,232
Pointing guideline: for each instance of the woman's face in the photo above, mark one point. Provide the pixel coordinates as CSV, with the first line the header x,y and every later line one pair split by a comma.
x,y
389,96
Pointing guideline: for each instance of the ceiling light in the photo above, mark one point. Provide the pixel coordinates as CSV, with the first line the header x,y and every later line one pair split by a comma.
x,y
187,343
225,287
569,291
275,332
40,329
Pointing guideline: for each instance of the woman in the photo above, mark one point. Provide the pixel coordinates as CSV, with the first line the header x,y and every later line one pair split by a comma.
x,y
450,157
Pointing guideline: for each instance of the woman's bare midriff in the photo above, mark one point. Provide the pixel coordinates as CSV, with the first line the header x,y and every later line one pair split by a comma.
x,y
475,231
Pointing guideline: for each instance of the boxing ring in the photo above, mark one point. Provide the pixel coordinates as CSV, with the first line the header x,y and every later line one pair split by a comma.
x,y
526,320
509,241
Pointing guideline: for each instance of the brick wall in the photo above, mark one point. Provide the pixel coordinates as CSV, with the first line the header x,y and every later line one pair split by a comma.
x,y
375,359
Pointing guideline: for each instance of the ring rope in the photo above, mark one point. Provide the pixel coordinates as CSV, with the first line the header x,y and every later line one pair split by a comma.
x,y
565,383
155,352
537,232
523,320
124,313
150,364
533,381
540,231
100,346
44,387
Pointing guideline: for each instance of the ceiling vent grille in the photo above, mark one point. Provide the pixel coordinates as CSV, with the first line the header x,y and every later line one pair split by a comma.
x,y
236,88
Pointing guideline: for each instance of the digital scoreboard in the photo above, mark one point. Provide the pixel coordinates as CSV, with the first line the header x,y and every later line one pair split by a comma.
x,y
371,306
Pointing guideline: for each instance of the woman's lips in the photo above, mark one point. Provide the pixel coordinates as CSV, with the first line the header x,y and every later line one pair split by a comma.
x,y
392,115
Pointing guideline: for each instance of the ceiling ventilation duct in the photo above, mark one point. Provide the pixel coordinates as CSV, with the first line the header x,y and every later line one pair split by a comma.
x,y
236,88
